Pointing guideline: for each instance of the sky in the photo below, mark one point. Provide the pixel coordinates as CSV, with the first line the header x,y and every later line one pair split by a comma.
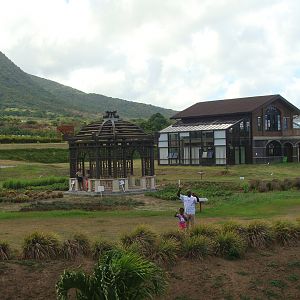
x,y
169,53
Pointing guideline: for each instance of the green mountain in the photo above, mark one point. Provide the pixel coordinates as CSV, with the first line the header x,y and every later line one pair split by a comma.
x,y
19,90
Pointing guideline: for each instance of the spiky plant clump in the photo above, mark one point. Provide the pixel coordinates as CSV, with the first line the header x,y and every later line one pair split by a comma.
x,y
286,233
70,249
176,235
296,183
259,235
229,245
118,275
142,236
5,251
288,183
263,187
276,185
253,184
75,247
41,246
102,247
197,247
233,226
166,251
205,230
83,242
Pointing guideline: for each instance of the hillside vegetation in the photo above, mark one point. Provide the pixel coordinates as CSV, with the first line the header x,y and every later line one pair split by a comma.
x,y
28,95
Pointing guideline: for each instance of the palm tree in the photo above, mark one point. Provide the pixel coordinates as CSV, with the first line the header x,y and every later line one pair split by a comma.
x,y
119,274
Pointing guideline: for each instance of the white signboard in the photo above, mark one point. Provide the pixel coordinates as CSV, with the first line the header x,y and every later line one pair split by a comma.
x,y
100,188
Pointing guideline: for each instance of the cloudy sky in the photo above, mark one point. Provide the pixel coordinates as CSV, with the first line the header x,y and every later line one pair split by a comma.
x,y
170,53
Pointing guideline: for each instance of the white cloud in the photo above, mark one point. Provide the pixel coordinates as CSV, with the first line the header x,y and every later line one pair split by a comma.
x,y
169,53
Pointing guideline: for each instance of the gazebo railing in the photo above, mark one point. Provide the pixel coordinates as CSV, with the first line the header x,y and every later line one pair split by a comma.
x,y
113,185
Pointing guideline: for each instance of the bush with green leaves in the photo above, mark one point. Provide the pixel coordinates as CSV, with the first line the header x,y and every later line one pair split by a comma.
x,y
79,245
5,251
102,247
176,235
233,226
41,246
197,247
258,234
229,245
204,230
118,275
143,236
166,251
286,233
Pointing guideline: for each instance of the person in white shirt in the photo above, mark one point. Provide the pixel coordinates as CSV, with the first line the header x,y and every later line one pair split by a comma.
x,y
189,203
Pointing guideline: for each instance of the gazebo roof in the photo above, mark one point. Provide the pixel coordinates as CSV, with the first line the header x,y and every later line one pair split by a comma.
x,y
112,128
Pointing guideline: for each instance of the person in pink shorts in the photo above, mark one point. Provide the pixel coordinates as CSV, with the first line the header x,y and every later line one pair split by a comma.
x,y
181,219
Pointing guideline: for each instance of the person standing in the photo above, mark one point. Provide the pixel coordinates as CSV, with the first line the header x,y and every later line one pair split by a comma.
x,y
182,219
189,203
79,178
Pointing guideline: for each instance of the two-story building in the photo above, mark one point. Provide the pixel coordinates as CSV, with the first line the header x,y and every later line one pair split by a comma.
x,y
257,129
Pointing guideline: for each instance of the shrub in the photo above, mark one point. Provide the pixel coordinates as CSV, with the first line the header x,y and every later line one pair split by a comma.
x,y
233,226
205,230
229,245
253,184
41,246
197,247
142,236
75,247
118,275
288,183
259,235
176,235
276,185
245,187
263,187
102,247
296,183
5,251
166,251
286,233
83,242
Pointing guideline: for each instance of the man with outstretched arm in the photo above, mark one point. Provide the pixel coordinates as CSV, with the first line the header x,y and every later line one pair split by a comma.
x,y
189,202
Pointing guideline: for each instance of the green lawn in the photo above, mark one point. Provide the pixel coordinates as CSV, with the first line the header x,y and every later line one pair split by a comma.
x,y
109,224
34,146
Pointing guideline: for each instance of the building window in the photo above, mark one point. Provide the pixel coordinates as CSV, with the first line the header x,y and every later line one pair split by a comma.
x,y
247,126
259,124
173,139
207,138
272,119
286,121
274,149
242,126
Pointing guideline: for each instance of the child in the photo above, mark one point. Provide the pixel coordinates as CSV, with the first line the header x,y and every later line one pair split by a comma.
x,y
182,219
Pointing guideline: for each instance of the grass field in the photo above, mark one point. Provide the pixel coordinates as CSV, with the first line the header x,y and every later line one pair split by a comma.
x,y
156,212
34,146
268,274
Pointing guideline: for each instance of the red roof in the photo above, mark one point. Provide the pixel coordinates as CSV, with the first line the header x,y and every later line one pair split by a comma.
x,y
229,106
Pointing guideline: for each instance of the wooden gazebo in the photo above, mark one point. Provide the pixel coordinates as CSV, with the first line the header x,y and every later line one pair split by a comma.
x,y
104,151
